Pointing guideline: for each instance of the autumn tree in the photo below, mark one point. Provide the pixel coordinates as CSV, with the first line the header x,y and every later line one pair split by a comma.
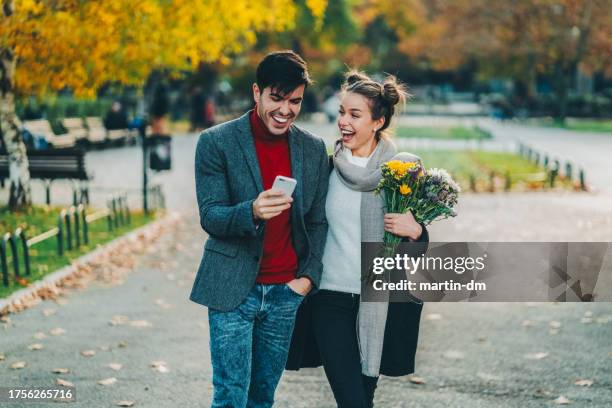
x,y
518,39
80,45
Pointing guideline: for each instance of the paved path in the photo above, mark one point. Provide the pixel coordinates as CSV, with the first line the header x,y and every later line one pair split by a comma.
x,y
469,355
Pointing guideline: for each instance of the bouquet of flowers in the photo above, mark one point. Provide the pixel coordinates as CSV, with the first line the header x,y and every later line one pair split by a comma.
x,y
430,195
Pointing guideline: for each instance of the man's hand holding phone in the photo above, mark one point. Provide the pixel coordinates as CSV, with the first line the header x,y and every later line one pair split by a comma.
x,y
274,201
270,203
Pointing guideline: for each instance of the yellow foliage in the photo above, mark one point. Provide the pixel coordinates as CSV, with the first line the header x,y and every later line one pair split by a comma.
x,y
85,44
317,8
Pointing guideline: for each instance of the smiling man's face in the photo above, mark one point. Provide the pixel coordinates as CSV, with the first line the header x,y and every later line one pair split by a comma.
x,y
278,111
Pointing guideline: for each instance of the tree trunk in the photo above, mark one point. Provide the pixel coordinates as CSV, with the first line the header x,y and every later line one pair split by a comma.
x,y
10,127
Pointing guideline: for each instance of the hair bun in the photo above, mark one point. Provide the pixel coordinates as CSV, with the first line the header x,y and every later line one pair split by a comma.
x,y
355,76
393,91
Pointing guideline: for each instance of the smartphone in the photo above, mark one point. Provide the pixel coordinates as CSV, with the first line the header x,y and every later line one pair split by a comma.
x,y
284,184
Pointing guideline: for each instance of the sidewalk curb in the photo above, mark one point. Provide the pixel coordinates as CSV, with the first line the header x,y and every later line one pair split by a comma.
x,y
8,305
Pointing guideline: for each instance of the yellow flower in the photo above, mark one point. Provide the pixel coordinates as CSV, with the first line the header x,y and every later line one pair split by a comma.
x,y
404,189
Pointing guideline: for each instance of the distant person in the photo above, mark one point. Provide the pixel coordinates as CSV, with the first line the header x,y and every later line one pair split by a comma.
x,y
116,118
209,113
264,248
160,105
330,107
197,109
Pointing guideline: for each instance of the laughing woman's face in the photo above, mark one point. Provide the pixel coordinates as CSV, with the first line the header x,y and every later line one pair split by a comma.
x,y
356,125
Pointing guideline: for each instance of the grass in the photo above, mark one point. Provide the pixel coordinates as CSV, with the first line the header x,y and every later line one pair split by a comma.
x,y
43,256
462,164
453,133
579,125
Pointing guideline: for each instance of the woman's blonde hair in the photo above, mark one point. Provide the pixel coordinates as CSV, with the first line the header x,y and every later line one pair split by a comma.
x,y
382,97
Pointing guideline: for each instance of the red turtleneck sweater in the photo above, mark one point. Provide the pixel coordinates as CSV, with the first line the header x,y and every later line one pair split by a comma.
x,y
279,261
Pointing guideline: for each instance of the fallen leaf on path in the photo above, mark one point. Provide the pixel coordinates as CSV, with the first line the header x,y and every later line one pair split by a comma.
x,y
416,380
49,312
115,366
40,335
537,356
541,393
162,369
64,383
603,320
108,381
433,316
118,320
125,403
140,323
562,401
5,319
122,344
554,324
162,303
18,365
2,357
553,331
36,346
454,355
61,371
588,313
487,377
104,348
88,353
586,320
584,383
527,323
159,366
58,331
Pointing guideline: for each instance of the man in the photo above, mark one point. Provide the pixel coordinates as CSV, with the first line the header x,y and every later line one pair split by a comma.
x,y
264,250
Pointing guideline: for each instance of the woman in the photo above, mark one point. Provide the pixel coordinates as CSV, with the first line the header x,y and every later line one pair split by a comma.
x,y
354,341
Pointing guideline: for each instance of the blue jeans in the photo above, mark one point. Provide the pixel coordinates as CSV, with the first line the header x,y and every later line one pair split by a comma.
x,y
249,346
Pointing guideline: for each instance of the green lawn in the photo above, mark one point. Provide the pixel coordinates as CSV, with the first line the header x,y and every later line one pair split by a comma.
x,y
43,256
462,164
580,125
455,132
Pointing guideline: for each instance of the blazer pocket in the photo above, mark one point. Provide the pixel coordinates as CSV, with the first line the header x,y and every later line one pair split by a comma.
x,y
221,247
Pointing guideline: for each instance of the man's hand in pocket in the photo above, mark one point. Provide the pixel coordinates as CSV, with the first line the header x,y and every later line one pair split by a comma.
x,y
300,285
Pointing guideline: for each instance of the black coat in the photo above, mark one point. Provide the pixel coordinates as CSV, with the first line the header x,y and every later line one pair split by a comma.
x,y
400,341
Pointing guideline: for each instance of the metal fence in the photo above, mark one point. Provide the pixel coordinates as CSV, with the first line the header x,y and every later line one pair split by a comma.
x,y
71,232
552,167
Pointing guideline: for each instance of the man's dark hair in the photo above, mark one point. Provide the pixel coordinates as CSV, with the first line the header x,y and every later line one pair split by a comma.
x,y
283,71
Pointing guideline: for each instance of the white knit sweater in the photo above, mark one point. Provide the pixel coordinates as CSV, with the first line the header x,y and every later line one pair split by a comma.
x,y
342,254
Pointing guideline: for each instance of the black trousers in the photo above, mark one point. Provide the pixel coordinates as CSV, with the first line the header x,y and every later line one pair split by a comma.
x,y
335,330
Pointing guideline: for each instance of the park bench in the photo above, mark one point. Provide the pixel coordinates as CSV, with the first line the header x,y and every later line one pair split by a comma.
x,y
97,131
75,127
116,135
41,127
50,165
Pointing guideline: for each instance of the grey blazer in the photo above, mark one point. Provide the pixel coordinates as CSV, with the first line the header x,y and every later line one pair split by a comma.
x,y
228,180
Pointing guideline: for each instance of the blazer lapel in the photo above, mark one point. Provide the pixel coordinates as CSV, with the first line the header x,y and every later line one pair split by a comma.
x,y
296,152
247,145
